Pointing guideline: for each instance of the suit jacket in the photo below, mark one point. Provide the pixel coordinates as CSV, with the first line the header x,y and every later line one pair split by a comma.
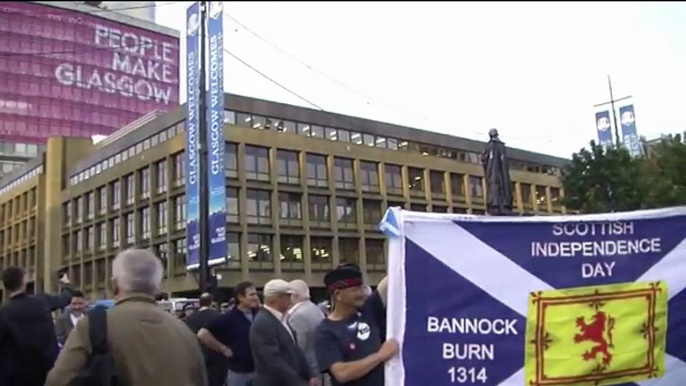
x,y
303,320
278,359
63,327
148,345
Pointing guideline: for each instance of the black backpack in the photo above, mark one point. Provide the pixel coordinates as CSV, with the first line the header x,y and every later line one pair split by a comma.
x,y
100,366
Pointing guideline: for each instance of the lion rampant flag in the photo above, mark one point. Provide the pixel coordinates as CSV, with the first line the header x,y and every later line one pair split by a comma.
x,y
601,335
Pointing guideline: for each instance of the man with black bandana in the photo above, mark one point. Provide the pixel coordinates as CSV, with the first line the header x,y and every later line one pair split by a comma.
x,y
349,343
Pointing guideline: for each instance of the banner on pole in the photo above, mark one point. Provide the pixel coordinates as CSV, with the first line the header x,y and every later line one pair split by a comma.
x,y
602,123
544,301
192,136
215,137
631,139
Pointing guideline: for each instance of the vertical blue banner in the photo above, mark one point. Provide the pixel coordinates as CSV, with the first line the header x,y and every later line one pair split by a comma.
x,y
602,124
216,185
631,140
192,136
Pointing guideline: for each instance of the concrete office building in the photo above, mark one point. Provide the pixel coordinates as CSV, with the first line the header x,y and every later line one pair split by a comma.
x,y
306,189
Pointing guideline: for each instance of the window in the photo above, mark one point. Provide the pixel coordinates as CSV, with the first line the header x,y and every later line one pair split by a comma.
x,y
416,180
179,168
555,198
257,163
368,140
78,241
290,207
90,205
234,246
418,207
319,209
144,221
66,212
161,176
356,138
541,198
260,248
345,211
371,212
128,183
439,209
130,230
231,160
102,200
330,134
288,167
457,185
349,250
321,251
102,236
179,247
343,173
437,181
291,250
180,212
317,132
526,194
304,129
478,212
316,171
115,232
144,182
394,179
90,239
259,206
476,187
162,251
162,218
232,205
369,174
116,194
79,210
375,251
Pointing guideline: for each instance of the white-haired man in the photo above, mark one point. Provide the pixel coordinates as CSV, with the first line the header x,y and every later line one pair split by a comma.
x,y
303,318
148,346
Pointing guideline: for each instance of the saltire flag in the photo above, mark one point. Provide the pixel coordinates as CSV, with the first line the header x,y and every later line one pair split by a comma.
x,y
586,300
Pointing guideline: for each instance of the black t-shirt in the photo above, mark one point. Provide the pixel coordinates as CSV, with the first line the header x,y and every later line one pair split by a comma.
x,y
353,339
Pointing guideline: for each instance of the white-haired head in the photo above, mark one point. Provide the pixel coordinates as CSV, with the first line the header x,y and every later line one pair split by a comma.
x,y
302,290
137,270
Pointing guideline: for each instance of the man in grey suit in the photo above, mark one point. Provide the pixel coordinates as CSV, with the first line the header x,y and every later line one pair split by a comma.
x,y
66,322
278,359
303,318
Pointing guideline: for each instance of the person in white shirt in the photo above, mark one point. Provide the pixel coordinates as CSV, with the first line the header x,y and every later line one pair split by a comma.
x,y
303,319
66,322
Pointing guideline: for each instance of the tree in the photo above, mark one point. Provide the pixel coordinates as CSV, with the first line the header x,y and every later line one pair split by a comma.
x,y
603,180
665,172
608,180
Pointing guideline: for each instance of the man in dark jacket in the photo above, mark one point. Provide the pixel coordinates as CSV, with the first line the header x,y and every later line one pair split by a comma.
x,y
217,364
28,345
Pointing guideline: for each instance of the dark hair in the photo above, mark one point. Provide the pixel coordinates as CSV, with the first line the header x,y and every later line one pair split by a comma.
x,y
77,294
241,288
205,300
13,278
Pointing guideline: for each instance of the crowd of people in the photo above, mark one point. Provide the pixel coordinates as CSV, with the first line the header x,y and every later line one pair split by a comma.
x,y
286,340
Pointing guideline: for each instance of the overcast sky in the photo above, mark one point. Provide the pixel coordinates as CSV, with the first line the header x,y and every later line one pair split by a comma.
x,y
532,70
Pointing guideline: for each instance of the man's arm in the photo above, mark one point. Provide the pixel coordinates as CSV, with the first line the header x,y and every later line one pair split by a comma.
x,y
330,359
73,358
382,289
208,339
56,302
264,344
61,329
300,327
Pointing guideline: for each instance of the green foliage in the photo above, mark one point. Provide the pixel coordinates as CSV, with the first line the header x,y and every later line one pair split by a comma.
x,y
606,180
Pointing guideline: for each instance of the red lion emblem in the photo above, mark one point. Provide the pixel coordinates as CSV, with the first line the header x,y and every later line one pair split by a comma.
x,y
596,332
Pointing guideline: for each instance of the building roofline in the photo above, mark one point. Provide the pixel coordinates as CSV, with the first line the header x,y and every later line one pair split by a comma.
x,y
288,112
111,15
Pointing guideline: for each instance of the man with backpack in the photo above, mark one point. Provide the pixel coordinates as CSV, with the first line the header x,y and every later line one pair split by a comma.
x,y
28,344
134,343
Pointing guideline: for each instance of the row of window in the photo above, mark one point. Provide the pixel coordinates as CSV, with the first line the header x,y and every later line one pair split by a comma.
x,y
23,178
305,129
260,252
257,167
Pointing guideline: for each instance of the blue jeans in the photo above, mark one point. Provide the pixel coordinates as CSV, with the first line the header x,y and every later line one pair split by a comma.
x,y
238,379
